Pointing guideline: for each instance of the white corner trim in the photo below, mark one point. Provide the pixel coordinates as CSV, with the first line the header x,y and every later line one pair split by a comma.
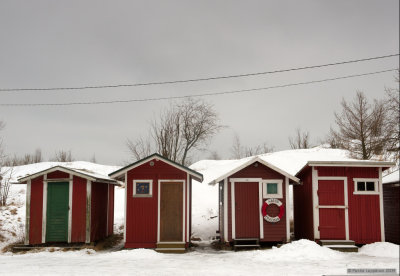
x,y
158,208
381,206
233,210
226,210
288,210
71,187
126,203
315,202
88,209
28,212
260,203
44,209
278,181
188,202
184,211
150,181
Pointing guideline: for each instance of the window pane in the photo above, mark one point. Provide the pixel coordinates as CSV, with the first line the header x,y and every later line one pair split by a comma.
x,y
370,186
272,188
142,188
360,186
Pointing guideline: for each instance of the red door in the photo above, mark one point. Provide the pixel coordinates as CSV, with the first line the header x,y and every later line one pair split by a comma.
x,y
247,211
331,206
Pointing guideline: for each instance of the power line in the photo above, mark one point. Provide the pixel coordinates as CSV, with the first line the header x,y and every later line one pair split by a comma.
x,y
194,80
193,95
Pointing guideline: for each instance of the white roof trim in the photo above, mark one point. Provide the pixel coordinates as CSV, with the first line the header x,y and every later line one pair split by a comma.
x,y
134,165
66,170
360,163
251,161
353,163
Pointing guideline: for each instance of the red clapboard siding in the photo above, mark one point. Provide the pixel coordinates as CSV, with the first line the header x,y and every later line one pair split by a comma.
x,y
78,231
272,231
303,207
110,209
141,213
36,211
364,210
98,211
57,174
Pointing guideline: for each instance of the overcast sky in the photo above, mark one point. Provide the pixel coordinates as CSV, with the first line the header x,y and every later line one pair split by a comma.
x,y
78,43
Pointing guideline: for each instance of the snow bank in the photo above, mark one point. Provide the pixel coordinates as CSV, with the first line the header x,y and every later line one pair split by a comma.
x,y
381,249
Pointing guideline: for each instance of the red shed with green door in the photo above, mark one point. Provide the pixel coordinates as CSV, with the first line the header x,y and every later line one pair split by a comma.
x,y
65,205
340,201
158,203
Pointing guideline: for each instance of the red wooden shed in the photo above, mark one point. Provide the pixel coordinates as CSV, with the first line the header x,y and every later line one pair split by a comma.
x,y
254,203
391,206
340,201
158,203
68,205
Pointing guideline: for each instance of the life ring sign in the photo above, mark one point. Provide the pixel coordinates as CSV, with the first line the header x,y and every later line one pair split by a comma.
x,y
278,203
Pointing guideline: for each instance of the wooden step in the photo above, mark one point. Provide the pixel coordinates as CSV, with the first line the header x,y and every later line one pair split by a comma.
x,y
342,248
171,245
247,245
171,250
336,242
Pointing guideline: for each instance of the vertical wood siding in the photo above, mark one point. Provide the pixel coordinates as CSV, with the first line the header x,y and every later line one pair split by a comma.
x,y
57,174
78,231
111,209
303,207
391,199
273,232
364,210
36,211
99,211
142,212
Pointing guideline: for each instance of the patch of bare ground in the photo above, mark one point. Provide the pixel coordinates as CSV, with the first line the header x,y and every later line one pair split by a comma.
x,y
108,243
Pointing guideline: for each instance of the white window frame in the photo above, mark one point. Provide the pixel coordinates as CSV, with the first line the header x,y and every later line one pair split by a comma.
x,y
374,192
140,181
264,185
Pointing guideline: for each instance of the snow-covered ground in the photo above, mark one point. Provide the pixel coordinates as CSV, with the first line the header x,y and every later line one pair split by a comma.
x,y
298,258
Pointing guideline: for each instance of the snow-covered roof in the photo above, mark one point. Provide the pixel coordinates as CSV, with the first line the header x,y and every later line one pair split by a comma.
x,y
91,170
391,178
121,171
289,161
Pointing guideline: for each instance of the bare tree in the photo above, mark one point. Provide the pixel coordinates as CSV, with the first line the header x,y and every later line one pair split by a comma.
x,y
238,151
178,130
93,159
5,186
214,155
62,156
360,127
301,140
392,106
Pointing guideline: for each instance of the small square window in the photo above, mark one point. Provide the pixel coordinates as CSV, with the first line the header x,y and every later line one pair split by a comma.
x,y
360,186
370,186
142,188
272,188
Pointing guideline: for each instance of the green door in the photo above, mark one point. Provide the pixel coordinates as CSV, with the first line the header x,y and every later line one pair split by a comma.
x,y
57,212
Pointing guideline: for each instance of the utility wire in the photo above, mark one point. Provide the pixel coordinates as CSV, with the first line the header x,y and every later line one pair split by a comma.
x,y
193,95
193,80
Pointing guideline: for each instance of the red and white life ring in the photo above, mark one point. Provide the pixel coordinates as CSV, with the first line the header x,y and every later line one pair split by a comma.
x,y
264,210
